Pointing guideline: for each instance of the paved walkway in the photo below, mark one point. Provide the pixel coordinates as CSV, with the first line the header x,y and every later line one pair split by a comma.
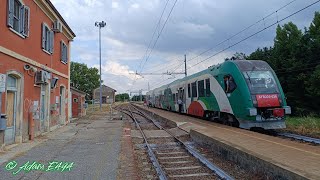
x,y
300,158
92,146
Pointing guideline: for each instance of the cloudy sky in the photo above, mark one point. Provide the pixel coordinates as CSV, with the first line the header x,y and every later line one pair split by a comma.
x,y
193,27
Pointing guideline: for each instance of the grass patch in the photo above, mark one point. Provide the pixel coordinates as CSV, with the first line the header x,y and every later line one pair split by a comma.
x,y
309,126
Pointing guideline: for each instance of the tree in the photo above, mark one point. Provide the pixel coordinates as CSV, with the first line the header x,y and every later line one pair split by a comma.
x,y
137,98
84,78
122,97
237,56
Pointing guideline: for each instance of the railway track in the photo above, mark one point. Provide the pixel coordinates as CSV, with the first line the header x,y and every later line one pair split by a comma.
x,y
171,157
300,137
288,135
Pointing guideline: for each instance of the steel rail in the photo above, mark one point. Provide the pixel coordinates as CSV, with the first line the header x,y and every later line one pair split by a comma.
x,y
299,137
193,152
156,164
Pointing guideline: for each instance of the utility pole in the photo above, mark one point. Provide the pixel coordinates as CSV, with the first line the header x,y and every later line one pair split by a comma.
x,y
185,64
100,25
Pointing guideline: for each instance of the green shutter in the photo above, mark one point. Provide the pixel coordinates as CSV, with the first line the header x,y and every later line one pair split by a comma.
x,y
61,50
10,13
51,44
21,20
26,21
66,52
43,36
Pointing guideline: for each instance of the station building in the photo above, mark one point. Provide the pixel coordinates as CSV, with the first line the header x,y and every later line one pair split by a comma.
x,y
34,57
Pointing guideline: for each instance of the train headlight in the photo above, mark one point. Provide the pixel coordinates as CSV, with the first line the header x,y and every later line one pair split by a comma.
x,y
253,111
287,109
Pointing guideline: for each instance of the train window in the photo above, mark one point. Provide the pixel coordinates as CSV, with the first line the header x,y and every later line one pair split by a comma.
x,y
208,87
173,98
201,88
189,93
194,89
229,83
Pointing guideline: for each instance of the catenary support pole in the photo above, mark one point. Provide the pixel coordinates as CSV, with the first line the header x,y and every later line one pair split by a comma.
x,y
185,65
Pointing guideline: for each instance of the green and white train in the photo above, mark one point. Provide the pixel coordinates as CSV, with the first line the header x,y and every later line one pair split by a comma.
x,y
240,93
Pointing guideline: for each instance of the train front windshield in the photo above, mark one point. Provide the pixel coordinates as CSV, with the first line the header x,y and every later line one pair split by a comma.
x,y
261,82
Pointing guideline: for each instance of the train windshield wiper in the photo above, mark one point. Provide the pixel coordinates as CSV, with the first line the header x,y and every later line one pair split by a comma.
x,y
248,77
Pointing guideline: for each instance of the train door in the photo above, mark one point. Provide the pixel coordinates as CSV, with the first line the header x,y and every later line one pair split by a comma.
x,y
181,96
187,96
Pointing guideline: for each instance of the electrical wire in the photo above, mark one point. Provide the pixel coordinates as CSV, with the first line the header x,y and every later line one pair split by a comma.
x,y
159,35
154,32
245,29
244,39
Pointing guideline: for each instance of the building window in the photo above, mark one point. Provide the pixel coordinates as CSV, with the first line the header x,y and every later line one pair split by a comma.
x,y
18,17
64,52
201,88
194,89
208,87
11,82
47,39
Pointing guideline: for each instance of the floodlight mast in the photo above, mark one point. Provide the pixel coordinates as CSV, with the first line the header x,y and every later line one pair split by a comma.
x,y
100,25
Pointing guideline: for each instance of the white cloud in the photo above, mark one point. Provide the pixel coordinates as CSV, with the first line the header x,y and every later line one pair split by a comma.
x,y
115,5
195,31
135,5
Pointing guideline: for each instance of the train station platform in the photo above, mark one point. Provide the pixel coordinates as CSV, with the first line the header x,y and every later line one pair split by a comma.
x,y
261,153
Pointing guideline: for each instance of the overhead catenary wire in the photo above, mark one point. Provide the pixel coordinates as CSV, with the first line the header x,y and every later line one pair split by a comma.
x,y
265,28
158,35
156,39
154,32
243,30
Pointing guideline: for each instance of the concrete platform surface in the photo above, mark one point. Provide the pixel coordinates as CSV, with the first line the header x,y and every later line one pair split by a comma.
x,y
91,144
300,158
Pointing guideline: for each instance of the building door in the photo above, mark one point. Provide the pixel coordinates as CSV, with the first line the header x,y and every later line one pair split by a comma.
x,y
11,110
104,100
75,107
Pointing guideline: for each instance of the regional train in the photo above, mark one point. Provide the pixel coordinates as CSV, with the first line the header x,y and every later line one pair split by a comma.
x,y
240,93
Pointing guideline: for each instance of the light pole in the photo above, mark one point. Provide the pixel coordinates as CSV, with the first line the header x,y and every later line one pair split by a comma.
x,y
100,25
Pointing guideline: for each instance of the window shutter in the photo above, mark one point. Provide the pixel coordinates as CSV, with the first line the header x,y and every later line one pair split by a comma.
x,y
61,50
26,26
10,13
43,36
51,41
66,53
21,20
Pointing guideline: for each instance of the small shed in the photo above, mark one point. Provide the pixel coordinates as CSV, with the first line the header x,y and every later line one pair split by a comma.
x,y
108,94
78,103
